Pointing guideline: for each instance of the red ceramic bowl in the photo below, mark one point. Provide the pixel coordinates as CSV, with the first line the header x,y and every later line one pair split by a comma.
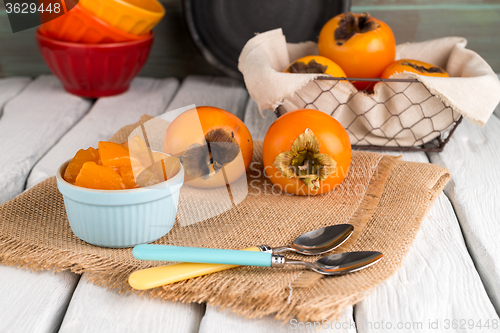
x,y
94,70
81,26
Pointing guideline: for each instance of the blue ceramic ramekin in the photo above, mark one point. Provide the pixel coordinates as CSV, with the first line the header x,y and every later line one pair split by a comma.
x,y
121,218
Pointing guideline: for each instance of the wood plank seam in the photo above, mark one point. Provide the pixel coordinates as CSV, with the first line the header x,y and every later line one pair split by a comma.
x,y
472,156
45,112
23,81
178,316
72,292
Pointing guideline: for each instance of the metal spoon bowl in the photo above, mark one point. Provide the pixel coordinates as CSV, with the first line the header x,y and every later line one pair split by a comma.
x,y
339,263
317,241
313,242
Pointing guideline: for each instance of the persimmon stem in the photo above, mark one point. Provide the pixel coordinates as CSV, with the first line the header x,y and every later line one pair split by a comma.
x,y
423,69
311,67
205,160
350,25
305,162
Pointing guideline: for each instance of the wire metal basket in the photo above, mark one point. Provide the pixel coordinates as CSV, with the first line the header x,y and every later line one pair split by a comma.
x,y
403,115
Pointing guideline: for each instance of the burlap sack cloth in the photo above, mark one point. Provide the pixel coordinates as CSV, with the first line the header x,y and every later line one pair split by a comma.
x,y
385,198
396,113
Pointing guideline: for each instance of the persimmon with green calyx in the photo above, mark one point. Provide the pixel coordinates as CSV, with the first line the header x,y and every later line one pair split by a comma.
x,y
76,163
99,177
361,45
315,65
214,146
413,66
306,152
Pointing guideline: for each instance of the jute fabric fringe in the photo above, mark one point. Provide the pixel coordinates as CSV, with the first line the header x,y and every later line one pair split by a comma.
x,y
383,197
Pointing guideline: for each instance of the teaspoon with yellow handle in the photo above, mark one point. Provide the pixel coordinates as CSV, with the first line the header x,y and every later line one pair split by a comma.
x,y
314,242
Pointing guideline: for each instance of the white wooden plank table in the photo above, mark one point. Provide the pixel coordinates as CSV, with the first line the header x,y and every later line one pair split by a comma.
x,y
417,283
158,315
32,123
472,156
437,283
11,87
452,272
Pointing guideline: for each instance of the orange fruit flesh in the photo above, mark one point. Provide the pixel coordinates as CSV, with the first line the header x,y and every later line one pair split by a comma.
x,y
127,175
99,177
112,168
113,154
81,156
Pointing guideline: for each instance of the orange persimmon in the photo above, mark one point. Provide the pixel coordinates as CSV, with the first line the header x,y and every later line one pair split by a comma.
x,y
315,64
81,156
99,177
414,66
113,154
128,176
116,170
361,45
306,152
209,140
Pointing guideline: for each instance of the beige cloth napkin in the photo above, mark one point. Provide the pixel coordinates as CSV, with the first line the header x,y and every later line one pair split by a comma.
x,y
473,90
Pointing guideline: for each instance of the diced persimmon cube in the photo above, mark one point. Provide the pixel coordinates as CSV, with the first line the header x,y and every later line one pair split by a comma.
x,y
166,166
113,154
98,162
140,155
147,178
99,177
128,176
137,143
81,156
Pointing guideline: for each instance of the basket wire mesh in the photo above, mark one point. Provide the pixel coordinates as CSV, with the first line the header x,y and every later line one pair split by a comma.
x,y
432,138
